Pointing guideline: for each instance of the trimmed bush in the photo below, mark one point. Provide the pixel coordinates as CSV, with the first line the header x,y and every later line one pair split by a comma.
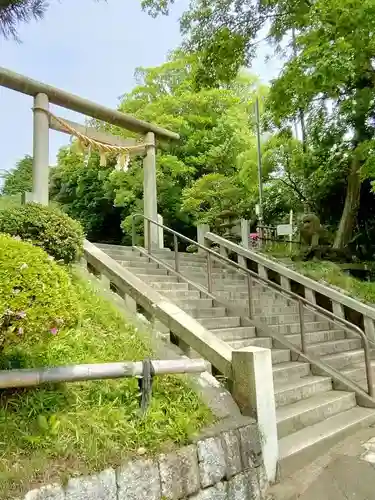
x,y
37,297
58,234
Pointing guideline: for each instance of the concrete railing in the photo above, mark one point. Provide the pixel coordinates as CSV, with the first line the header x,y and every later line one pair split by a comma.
x,y
338,301
249,369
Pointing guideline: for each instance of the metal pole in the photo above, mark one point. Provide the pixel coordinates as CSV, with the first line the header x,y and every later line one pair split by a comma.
x,y
369,374
99,371
259,157
291,235
302,326
176,255
209,272
149,244
41,149
133,231
250,294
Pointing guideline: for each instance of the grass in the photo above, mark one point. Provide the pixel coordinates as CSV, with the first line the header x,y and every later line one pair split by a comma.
x,y
53,432
324,271
279,249
332,274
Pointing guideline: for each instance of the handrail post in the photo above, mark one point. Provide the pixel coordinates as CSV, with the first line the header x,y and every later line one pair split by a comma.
x,y
149,242
209,272
250,294
302,326
369,376
133,231
176,255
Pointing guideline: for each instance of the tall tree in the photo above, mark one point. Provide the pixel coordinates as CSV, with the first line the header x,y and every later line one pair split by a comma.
x,y
20,179
213,123
82,189
334,67
215,138
331,66
13,12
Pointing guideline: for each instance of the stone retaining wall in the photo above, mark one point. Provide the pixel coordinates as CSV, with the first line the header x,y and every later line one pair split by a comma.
x,y
225,466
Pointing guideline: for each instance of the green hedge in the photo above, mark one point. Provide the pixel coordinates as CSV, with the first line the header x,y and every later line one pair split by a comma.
x,y
58,234
37,297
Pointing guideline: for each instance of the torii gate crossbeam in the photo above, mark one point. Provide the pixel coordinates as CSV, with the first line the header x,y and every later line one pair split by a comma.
x,y
44,94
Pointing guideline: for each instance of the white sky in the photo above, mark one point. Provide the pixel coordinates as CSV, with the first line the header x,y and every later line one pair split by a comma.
x,y
90,49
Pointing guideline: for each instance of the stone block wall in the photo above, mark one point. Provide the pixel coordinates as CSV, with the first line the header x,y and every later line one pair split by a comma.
x,y
225,466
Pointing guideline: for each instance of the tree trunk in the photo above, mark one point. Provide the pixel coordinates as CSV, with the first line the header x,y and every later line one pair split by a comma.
x,y
349,214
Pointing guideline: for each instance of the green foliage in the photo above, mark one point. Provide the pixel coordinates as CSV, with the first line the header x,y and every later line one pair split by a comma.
x,y
327,76
334,62
215,130
53,432
331,274
20,179
59,235
221,32
83,190
210,195
216,138
37,298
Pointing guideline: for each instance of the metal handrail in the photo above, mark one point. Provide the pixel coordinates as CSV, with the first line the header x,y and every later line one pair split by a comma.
x,y
302,301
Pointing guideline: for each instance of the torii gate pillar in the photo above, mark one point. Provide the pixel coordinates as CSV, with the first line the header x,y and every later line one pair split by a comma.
x,y
41,149
150,209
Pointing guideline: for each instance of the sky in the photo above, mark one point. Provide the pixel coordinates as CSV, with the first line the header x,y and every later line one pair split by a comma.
x,y
91,49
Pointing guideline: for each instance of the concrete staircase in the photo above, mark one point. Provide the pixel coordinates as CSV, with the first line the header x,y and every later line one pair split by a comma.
x,y
310,414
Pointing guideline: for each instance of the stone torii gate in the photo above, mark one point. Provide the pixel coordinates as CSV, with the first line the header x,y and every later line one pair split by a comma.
x,y
44,94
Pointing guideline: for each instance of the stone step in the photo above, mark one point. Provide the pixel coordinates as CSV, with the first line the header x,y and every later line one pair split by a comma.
x,y
344,359
240,291
138,262
188,304
258,300
187,257
169,286
280,356
332,347
265,342
242,287
357,372
150,271
312,337
238,333
158,278
216,280
290,370
126,248
275,310
305,445
209,312
224,322
299,415
187,294
292,391
311,326
288,318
